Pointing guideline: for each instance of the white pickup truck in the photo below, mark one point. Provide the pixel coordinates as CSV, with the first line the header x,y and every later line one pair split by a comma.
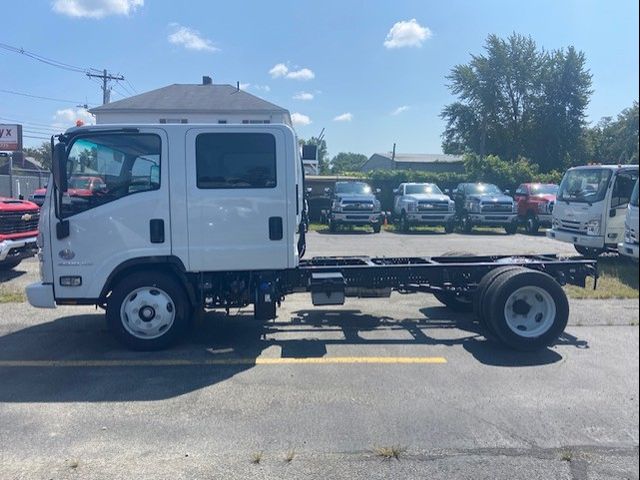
x,y
591,206
196,217
423,204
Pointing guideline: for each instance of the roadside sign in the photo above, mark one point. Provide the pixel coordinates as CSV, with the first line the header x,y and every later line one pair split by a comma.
x,y
10,137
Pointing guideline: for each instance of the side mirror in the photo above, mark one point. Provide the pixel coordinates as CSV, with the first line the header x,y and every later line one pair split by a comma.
x,y
327,190
507,192
396,191
378,190
309,152
309,189
447,191
612,213
58,167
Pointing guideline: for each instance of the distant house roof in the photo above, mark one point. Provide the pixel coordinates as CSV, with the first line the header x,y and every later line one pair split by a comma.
x,y
422,157
192,98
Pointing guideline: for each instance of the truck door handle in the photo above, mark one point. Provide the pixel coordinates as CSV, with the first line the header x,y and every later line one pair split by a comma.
x,y
156,230
275,228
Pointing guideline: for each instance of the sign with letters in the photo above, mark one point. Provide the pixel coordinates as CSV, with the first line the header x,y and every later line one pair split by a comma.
x,y
10,137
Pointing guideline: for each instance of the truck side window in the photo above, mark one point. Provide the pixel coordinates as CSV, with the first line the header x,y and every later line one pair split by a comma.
x,y
235,160
102,168
622,189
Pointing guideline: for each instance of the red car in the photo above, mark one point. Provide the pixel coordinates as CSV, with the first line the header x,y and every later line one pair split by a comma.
x,y
18,231
535,204
80,186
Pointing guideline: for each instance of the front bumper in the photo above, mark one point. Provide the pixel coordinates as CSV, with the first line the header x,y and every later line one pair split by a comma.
x,y
40,295
629,249
420,218
545,219
576,238
356,218
20,247
493,219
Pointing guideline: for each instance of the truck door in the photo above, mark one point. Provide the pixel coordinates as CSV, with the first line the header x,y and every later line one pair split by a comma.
x,y
236,197
117,206
620,197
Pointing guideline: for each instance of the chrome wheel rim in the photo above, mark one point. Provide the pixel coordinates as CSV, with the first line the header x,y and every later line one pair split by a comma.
x,y
530,311
147,313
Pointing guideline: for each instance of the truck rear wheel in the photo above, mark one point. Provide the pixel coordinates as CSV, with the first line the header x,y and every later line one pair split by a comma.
x,y
479,299
532,225
467,226
449,227
528,309
404,223
376,227
148,311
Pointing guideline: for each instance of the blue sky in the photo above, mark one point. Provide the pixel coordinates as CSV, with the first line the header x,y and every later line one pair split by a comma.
x,y
376,75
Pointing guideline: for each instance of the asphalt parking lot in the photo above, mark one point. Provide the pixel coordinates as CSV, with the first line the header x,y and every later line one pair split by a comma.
x,y
323,393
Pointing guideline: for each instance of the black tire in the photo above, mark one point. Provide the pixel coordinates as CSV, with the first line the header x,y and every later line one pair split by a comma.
x,y
479,299
403,223
467,226
532,225
496,304
172,299
511,228
376,227
333,228
589,252
9,263
449,227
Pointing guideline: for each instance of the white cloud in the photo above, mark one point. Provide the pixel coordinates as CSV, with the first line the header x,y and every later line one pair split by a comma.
x,y
96,8
302,74
345,117
401,109
251,86
244,86
280,70
190,39
303,96
69,116
300,119
407,34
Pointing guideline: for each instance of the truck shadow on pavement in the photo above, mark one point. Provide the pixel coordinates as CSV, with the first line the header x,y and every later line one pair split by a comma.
x,y
75,359
7,275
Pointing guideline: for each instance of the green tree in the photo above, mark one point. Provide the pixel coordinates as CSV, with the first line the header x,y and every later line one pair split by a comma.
x,y
513,97
347,162
614,141
41,154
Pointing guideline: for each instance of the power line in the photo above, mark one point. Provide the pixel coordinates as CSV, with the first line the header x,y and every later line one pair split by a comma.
x,y
38,96
48,61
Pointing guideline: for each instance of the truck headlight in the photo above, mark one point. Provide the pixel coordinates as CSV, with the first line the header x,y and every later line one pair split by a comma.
x,y
412,206
543,207
452,205
555,223
473,206
336,206
593,227
627,233
514,207
376,205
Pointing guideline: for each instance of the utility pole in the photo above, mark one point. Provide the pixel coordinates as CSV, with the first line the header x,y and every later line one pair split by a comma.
x,y
106,91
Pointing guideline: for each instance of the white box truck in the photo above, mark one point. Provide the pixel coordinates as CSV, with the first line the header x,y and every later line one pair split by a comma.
x,y
197,217
629,246
591,206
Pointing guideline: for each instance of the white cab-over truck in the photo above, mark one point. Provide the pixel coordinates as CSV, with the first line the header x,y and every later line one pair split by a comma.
x,y
629,246
591,206
197,217
423,204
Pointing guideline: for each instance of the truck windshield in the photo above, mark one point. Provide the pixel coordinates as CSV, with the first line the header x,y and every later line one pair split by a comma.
x,y
584,185
357,188
484,189
428,188
544,189
634,196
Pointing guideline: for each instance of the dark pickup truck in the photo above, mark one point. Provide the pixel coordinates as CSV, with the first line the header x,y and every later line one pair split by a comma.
x,y
354,203
484,204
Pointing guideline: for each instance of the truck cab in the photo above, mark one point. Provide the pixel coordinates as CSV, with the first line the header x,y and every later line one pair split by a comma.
x,y
354,203
422,204
484,204
18,231
629,246
535,205
591,207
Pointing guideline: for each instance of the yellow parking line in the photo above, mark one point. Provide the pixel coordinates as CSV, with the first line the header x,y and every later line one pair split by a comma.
x,y
174,362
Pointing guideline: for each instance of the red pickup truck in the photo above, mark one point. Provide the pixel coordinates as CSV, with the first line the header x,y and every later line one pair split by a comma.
x,y
535,205
18,231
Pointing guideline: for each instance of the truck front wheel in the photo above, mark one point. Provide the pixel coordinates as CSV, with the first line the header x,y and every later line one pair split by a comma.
x,y
148,311
511,228
589,252
532,224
